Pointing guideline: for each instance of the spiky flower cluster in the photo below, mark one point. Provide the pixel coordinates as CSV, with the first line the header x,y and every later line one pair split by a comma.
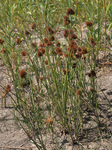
x,y
33,26
1,41
64,72
50,30
22,74
89,23
70,11
18,40
66,20
40,52
93,43
92,73
23,53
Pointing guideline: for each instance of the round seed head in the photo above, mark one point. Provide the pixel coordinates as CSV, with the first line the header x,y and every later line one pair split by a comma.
x,y
22,74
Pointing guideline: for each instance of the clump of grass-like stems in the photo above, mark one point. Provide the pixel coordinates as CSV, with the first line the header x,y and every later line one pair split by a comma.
x,y
55,84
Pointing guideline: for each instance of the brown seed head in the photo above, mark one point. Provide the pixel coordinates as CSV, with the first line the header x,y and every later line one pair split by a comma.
x,y
72,36
53,52
33,26
70,11
68,71
74,65
42,51
65,35
22,73
66,22
58,49
71,31
78,92
33,44
46,40
51,31
83,58
42,44
89,23
60,53
39,53
18,40
58,44
66,31
89,74
92,90
23,53
79,49
64,71
49,43
93,73
72,46
78,55
66,55
1,41
41,78
66,18
92,42
46,62
52,38
84,50
8,88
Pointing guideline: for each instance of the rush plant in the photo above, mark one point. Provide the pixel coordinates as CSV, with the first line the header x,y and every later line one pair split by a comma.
x,y
55,82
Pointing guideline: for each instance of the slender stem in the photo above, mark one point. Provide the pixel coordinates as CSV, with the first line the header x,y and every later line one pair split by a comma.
x,y
105,33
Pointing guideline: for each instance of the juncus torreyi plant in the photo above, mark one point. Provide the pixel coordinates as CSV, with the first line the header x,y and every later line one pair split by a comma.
x,y
54,82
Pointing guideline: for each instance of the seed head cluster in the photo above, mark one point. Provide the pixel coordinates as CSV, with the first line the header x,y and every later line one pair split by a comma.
x,y
93,43
23,53
70,11
89,23
33,26
58,44
92,73
46,62
52,38
33,44
50,30
1,41
18,40
8,88
22,74
64,72
66,20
